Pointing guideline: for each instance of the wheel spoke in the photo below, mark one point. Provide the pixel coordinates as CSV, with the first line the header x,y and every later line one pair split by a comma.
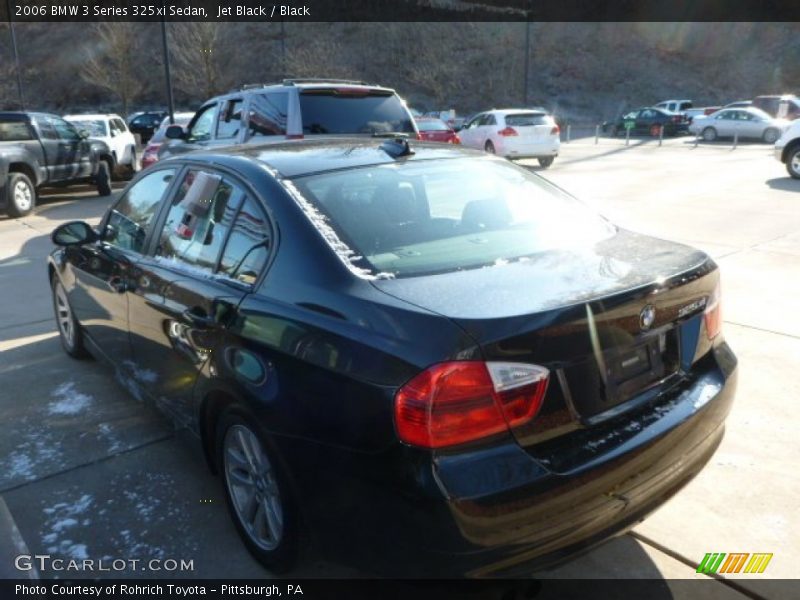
x,y
273,520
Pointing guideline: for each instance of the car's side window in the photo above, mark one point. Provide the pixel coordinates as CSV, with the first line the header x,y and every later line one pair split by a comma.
x,y
199,218
474,122
120,124
46,130
130,220
247,249
203,124
267,114
230,120
65,130
489,120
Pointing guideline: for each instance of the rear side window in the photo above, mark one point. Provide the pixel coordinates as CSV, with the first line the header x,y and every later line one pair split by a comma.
x,y
230,120
247,249
327,111
130,220
15,131
267,114
528,120
199,219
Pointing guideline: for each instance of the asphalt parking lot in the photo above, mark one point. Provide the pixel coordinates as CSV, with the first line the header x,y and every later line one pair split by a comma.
x,y
89,472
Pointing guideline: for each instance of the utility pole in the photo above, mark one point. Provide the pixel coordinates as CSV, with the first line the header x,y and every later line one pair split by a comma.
x,y
16,57
167,75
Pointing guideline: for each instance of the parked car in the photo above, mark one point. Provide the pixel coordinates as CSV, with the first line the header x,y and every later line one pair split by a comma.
x,y
150,154
433,359
111,129
782,107
740,122
648,120
436,130
38,149
146,123
787,149
291,110
514,133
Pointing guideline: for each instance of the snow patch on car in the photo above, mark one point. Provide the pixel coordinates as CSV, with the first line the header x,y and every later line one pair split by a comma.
x,y
68,401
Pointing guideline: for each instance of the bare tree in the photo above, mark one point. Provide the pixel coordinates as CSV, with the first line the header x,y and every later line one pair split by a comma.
x,y
317,56
198,54
111,65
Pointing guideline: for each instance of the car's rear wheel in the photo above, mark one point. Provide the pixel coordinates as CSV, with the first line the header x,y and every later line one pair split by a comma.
x,y
771,135
546,161
69,331
709,134
489,147
257,493
103,178
793,162
21,195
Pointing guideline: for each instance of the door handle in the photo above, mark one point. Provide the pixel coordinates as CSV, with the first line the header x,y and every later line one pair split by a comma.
x,y
198,320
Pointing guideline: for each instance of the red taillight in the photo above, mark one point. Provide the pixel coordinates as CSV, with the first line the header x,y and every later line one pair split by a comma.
x,y
420,137
457,402
507,132
555,130
455,140
712,315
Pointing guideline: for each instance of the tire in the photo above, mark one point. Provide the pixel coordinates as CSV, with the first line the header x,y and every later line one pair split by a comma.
x,y
546,161
489,147
21,195
103,178
69,331
709,134
272,540
793,162
771,135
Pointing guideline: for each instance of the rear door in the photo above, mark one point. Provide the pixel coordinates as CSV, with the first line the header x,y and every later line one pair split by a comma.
x,y
75,152
207,253
468,133
51,144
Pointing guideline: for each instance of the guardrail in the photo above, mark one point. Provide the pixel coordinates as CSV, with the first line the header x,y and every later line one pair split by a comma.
x,y
582,131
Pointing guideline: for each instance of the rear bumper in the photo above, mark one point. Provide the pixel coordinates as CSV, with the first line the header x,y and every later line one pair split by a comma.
x,y
499,511
519,148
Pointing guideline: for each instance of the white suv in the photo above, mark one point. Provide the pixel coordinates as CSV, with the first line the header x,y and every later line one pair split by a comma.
x,y
514,133
112,130
787,149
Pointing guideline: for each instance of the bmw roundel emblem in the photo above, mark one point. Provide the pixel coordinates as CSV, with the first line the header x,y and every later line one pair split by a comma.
x,y
647,317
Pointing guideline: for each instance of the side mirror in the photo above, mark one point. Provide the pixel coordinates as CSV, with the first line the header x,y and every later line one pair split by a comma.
x,y
175,132
74,233
83,134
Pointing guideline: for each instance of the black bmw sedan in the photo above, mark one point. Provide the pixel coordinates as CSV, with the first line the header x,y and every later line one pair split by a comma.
x,y
432,360
648,121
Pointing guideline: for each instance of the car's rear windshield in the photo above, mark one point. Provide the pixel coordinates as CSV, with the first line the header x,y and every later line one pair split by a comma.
x,y
528,119
432,125
435,216
328,111
94,127
15,131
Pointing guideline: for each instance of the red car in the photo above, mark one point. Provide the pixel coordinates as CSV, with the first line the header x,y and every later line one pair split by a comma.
x,y
436,130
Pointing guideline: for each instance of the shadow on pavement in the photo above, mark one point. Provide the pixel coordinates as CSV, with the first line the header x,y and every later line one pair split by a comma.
x,y
786,184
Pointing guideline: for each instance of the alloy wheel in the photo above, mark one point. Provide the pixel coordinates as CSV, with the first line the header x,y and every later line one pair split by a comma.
x,y
64,316
253,487
23,197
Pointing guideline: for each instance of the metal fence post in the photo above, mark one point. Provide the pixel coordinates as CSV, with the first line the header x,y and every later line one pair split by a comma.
x,y
735,140
660,135
569,132
627,136
696,139
596,134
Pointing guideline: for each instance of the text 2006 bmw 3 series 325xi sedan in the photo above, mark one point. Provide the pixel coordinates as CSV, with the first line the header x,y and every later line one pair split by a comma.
x,y
434,360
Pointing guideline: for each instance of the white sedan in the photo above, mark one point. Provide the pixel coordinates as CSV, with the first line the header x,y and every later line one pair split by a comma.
x,y
742,122
514,133
112,130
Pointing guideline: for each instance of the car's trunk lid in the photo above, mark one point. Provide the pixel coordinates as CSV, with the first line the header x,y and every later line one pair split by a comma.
x,y
615,323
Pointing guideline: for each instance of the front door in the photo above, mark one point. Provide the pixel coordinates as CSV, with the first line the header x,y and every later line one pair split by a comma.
x,y
102,272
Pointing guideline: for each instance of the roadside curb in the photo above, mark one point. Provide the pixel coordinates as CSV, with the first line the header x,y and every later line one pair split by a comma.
x,y
11,546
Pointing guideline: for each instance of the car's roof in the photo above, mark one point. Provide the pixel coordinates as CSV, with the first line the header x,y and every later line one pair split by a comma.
x,y
93,116
303,84
516,111
296,158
